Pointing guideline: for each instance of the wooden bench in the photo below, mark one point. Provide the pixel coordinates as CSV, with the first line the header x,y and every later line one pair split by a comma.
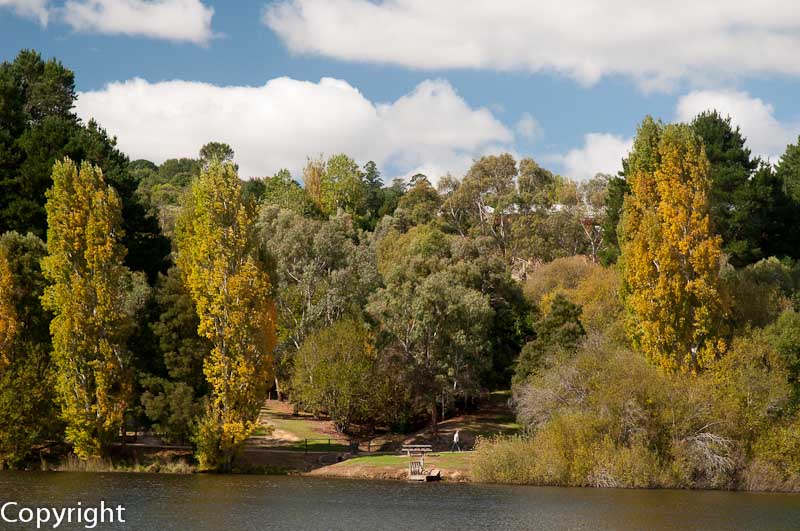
x,y
417,449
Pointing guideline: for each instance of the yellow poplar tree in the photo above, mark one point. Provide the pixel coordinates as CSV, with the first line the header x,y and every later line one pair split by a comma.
x,y
313,175
87,297
670,254
218,259
8,312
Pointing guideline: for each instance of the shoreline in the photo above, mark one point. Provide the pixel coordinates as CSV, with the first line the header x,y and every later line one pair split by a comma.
x,y
379,477
455,467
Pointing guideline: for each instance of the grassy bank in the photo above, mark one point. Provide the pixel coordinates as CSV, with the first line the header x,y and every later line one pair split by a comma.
x,y
454,466
164,462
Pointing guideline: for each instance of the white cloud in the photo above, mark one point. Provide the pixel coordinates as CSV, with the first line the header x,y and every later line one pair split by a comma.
x,y
529,128
36,9
282,122
766,135
655,43
175,20
600,153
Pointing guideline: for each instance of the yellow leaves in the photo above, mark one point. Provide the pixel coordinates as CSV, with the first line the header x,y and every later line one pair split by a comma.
x,y
8,313
217,258
670,255
90,326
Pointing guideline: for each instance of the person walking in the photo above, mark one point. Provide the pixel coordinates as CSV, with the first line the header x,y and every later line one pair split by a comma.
x,y
456,440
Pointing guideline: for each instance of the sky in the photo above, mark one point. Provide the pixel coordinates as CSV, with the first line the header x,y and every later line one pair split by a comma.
x,y
416,85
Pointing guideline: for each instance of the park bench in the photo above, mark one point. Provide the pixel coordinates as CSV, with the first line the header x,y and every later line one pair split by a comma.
x,y
417,449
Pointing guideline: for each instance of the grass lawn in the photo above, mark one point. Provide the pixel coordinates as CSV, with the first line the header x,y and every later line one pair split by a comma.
x,y
304,427
449,460
453,466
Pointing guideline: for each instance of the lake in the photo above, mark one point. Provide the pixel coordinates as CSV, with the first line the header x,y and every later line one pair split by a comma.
x,y
214,502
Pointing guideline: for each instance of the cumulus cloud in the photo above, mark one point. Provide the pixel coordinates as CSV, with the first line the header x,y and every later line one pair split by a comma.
x,y
282,122
175,20
766,135
655,43
600,153
529,128
35,9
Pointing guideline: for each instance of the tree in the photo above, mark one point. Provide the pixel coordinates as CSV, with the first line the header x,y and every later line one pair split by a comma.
x,y
559,331
313,174
343,187
222,270
175,398
373,194
8,312
437,323
37,128
87,295
323,273
670,254
418,205
219,151
735,201
28,414
481,202
617,189
336,374
282,191
788,170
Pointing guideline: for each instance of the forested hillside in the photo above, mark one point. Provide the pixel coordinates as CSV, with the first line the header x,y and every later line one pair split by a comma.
x,y
647,322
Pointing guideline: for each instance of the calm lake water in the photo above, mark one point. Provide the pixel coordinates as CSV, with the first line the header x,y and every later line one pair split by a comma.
x,y
207,502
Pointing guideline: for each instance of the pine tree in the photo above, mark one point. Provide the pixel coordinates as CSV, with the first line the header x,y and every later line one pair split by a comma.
x,y
88,297
670,255
217,256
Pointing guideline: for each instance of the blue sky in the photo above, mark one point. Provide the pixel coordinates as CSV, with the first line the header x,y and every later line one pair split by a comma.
x,y
433,95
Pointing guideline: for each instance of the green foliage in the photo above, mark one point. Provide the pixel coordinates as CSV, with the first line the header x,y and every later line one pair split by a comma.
x,y
216,151
617,188
174,398
760,292
436,322
788,170
282,191
336,373
41,129
784,335
558,334
323,273
418,206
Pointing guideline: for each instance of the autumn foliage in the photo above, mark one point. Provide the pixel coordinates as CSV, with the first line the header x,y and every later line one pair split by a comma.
x,y
670,254
221,269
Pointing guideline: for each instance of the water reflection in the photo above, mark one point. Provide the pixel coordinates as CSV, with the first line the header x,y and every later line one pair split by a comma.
x,y
209,502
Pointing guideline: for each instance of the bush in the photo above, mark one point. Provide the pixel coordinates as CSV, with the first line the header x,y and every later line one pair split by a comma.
x,y
605,417
591,286
505,460
561,273
760,292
